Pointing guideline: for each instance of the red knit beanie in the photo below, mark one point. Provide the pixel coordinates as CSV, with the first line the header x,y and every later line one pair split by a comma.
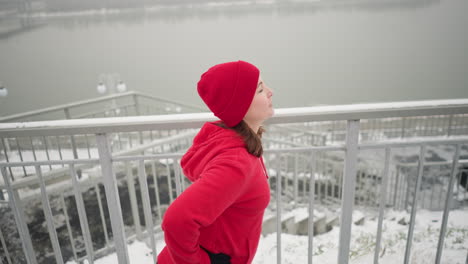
x,y
228,90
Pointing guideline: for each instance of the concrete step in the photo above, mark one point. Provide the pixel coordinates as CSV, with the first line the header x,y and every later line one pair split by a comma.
x,y
297,222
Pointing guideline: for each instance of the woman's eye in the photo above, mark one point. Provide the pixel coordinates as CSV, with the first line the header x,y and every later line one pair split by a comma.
x,y
261,90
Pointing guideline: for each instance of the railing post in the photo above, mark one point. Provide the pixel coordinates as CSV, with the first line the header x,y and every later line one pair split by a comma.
x,y
349,185
15,205
113,199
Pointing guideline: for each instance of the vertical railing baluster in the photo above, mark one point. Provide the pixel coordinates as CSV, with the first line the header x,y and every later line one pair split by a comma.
x,y
183,182
433,186
87,145
72,138
332,140
136,104
433,125
49,217
278,211
46,146
414,204
397,179
133,199
82,214
5,249
408,185
349,183
326,182
403,191
33,149
156,189
59,149
66,111
113,199
448,204
383,201
130,141
441,193
15,205
305,181
7,159
403,124
67,221
311,208
147,206
321,172
177,177
423,199
359,174
370,178
426,126
101,214
18,147
449,127
296,161
169,181
120,141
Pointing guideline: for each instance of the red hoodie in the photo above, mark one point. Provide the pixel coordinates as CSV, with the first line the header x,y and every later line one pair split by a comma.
x,y
222,210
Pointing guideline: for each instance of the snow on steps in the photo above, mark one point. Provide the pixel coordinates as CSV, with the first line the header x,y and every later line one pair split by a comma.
x,y
296,221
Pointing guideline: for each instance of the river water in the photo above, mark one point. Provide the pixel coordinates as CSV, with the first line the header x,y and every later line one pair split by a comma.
x,y
309,53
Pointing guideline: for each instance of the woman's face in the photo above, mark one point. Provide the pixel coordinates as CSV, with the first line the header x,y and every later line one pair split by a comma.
x,y
261,107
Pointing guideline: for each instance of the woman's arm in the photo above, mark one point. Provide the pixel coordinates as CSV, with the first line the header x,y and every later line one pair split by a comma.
x,y
201,204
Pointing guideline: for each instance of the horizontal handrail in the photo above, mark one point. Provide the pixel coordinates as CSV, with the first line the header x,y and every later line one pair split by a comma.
x,y
91,101
195,120
63,106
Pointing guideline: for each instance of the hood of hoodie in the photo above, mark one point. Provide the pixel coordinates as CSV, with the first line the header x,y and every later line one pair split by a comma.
x,y
207,144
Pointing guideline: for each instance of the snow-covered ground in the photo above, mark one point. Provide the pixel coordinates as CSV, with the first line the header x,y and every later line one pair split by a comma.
x,y
325,246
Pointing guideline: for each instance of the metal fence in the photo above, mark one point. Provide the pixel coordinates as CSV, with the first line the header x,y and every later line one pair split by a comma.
x,y
95,202
130,103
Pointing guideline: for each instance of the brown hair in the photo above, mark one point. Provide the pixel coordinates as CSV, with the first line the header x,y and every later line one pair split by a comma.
x,y
252,140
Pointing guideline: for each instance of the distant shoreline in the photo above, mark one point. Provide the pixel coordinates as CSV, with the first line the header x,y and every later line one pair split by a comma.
x,y
56,8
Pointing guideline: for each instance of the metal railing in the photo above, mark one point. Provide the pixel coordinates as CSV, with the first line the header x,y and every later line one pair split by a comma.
x,y
130,103
305,170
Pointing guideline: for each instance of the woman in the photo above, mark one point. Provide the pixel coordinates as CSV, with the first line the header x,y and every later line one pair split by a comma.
x,y
218,218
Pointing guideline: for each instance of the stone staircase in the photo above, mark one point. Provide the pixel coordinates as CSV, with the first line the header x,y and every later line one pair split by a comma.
x,y
296,221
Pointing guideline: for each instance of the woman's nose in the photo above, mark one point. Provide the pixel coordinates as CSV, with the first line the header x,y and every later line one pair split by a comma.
x,y
270,92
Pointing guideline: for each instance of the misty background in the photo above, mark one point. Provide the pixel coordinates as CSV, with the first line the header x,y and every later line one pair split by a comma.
x,y
309,52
